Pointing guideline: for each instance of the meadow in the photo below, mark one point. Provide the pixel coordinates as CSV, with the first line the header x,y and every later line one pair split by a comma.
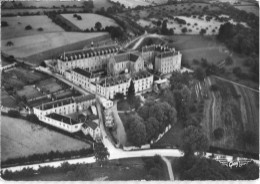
x,y
16,26
89,20
44,45
22,138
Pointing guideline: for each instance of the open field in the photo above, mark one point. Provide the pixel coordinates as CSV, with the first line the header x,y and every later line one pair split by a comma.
x,y
89,20
249,9
22,138
132,3
38,47
235,109
16,26
19,77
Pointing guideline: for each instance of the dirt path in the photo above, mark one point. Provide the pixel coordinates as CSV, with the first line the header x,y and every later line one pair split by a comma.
x,y
169,166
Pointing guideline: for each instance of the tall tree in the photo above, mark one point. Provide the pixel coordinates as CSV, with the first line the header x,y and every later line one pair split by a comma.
x,y
193,140
152,126
98,26
131,93
101,153
135,129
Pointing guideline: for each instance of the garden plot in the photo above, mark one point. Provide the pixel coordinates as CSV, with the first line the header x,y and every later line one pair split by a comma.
x,y
7,100
16,26
50,85
89,20
22,138
29,92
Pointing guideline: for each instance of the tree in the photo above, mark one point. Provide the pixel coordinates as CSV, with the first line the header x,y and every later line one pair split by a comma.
x,y
218,133
214,87
229,61
184,30
14,113
9,43
159,23
40,29
203,32
237,71
164,29
135,130
4,24
178,80
100,153
168,96
131,93
152,127
98,26
79,17
199,74
194,140
28,27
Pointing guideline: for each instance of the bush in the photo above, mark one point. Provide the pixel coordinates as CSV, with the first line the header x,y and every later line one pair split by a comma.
x,y
40,29
28,27
14,113
218,133
9,43
229,61
195,61
214,87
237,71
4,24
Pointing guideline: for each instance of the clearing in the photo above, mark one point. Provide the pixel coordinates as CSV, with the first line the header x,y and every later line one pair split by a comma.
x,y
17,136
16,26
44,46
89,20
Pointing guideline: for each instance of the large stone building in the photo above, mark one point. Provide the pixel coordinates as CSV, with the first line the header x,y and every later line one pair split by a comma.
x,y
108,87
125,62
162,59
55,113
91,59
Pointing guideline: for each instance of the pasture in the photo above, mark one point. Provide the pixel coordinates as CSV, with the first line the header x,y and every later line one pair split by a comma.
x,y
249,9
22,138
89,20
101,3
16,26
46,43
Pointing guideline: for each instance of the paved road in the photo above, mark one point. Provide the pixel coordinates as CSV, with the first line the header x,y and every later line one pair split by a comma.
x,y
121,134
169,166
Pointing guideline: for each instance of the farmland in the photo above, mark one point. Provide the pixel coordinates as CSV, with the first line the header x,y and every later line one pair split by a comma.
x,y
101,3
16,26
89,20
46,4
17,136
235,109
43,46
249,9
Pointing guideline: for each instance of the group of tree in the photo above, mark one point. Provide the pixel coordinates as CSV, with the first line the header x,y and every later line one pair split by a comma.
x,y
165,30
239,38
28,27
77,16
4,24
154,168
101,153
35,158
150,120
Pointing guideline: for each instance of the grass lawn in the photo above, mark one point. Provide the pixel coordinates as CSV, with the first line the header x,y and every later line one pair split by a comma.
x,y
89,20
16,26
122,105
50,85
29,92
22,138
46,45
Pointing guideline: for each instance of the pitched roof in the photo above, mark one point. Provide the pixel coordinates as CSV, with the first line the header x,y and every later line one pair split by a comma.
x,y
82,72
166,54
90,124
126,57
77,54
62,118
